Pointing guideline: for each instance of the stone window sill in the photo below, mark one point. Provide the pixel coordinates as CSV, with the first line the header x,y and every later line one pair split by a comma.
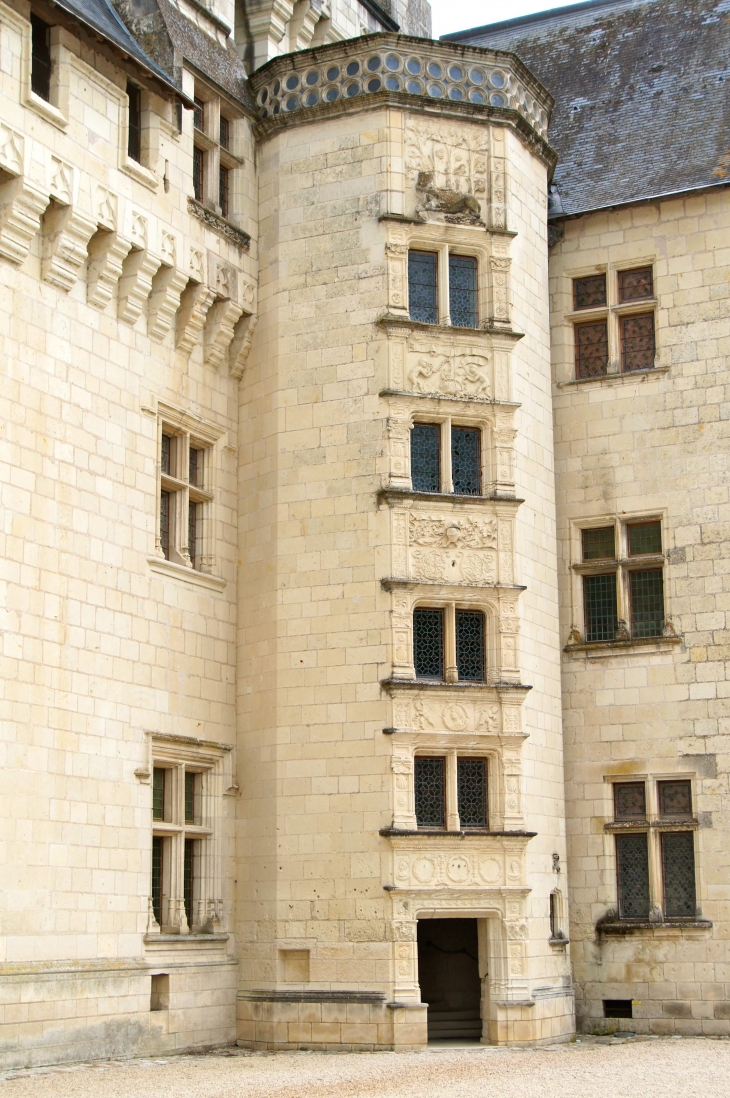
x,y
440,684
487,328
641,374
421,832
190,575
399,495
644,825
138,171
629,926
618,648
47,110
185,939
461,398
558,943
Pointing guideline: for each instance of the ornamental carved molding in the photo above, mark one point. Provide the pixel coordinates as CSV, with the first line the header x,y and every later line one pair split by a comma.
x,y
450,866
477,718
460,375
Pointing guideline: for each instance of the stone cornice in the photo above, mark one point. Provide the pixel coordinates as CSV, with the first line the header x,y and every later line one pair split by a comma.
x,y
392,320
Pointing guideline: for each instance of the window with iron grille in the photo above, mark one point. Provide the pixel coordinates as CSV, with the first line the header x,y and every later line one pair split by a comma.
x,y
600,607
590,292
428,643
40,58
422,287
134,131
647,603
430,788
632,863
591,349
471,782
470,645
678,869
185,499
675,799
426,457
198,173
463,291
629,800
635,285
466,460
637,342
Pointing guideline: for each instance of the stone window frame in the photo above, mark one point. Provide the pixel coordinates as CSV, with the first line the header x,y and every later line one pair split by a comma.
x,y
622,565
451,756
186,427
215,156
449,606
443,250
612,313
654,825
446,421
213,762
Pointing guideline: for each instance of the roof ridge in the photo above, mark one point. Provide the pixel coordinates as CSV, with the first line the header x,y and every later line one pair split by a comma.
x,y
540,17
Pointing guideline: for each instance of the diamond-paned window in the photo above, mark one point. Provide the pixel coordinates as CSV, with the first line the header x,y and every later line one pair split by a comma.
x,y
632,863
637,342
428,643
675,799
629,800
599,601
466,460
644,537
463,291
599,544
426,457
470,645
430,788
678,866
647,603
589,293
471,782
591,349
635,285
422,287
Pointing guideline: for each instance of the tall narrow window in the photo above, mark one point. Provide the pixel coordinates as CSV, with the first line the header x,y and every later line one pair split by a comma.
x,y
165,523
463,291
225,133
426,457
166,454
637,342
199,114
190,796
599,599
422,287
189,879
430,787
647,603
633,876
466,460
223,177
428,643
193,531
134,133
471,780
470,645
156,884
40,60
198,173
678,865
195,465
159,775
591,349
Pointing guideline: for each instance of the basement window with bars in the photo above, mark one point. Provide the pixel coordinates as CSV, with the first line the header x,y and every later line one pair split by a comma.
x,y
433,784
458,305
446,457
449,644
186,499
614,322
622,576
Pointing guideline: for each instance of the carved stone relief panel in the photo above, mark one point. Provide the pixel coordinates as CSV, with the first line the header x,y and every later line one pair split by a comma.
x,y
461,549
450,866
396,256
449,368
498,180
491,716
446,167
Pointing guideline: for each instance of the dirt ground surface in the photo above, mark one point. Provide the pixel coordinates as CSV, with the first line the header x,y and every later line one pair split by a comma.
x,y
590,1068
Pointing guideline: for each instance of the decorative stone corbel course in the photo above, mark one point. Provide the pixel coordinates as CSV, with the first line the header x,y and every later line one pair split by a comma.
x,y
21,206
219,331
136,284
167,287
107,253
241,345
66,234
195,302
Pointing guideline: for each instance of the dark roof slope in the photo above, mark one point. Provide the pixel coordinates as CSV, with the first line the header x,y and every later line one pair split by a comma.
x,y
641,89
101,16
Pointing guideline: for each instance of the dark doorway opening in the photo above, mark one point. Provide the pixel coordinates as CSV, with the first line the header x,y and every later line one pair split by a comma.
x,y
448,972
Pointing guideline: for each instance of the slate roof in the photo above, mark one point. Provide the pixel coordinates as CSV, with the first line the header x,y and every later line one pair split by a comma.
x,y
641,89
101,17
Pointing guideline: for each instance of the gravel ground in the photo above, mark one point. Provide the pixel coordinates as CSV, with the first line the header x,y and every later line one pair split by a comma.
x,y
655,1067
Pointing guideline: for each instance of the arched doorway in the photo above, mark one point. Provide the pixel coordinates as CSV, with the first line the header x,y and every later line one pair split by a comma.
x,y
448,974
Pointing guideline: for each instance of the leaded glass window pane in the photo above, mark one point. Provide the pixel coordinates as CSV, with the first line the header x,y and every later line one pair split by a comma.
x,y
426,457
644,537
463,291
591,349
678,864
199,113
156,883
189,879
223,190
193,531
166,455
165,523
195,475
225,132
599,598
422,294
198,168
629,800
589,293
428,643
675,798
466,460
429,784
633,876
470,645
635,285
637,342
158,793
189,797
599,544
471,780
647,603
134,122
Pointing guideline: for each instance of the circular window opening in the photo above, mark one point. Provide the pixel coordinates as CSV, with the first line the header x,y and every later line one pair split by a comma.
x,y
312,99
331,94
374,85
414,87
292,82
435,91
456,93
392,83
434,69
476,96
276,88
333,73
292,103
264,95
496,80
392,62
276,109
373,63
312,78
497,100
456,73
353,89
413,66
353,68
476,76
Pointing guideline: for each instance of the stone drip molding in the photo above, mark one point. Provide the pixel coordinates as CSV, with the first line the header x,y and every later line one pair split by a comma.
x,y
410,69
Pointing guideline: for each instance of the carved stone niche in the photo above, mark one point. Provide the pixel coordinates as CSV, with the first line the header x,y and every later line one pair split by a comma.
x,y
446,170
